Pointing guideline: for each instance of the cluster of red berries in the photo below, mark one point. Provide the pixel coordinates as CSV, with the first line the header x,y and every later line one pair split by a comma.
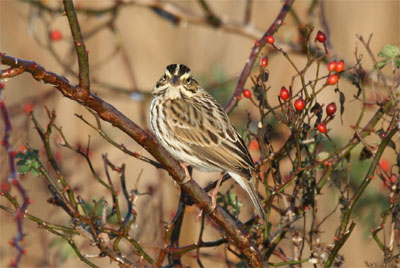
x,y
300,104
334,66
330,111
264,63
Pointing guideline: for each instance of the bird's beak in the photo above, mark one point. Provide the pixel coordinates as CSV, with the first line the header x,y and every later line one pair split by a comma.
x,y
175,80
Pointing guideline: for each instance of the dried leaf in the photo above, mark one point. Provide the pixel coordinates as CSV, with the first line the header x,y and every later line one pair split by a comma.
x,y
365,154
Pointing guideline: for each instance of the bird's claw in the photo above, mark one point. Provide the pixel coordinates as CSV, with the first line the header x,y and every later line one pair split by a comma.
x,y
187,174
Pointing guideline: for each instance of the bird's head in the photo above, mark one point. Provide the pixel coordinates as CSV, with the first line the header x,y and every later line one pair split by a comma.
x,y
177,82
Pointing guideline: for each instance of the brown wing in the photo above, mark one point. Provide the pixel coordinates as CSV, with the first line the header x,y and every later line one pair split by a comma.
x,y
204,126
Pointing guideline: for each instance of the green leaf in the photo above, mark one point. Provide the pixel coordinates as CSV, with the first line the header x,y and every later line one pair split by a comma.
x,y
24,169
35,172
29,162
63,249
397,62
383,63
322,156
35,164
389,51
21,162
20,155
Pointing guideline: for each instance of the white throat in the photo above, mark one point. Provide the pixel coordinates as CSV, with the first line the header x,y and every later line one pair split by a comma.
x,y
173,92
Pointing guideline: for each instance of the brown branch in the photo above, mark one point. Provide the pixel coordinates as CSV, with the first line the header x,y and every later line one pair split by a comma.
x,y
258,46
179,13
82,54
109,113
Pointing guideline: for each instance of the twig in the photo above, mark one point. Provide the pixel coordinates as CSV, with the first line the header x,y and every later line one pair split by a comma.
x,y
82,54
121,147
247,11
176,226
380,74
367,178
178,14
339,243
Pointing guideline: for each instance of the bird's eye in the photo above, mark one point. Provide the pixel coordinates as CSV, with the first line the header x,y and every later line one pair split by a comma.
x,y
189,81
163,78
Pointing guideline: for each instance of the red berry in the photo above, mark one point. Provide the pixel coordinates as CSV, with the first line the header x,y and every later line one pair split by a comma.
x,y
385,165
5,185
332,79
264,62
299,104
28,108
55,35
254,145
246,93
22,148
284,94
2,85
331,109
321,128
270,39
332,65
340,66
321,37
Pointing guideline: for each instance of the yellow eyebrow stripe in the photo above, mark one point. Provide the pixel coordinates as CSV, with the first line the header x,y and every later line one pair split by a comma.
x,y
185,76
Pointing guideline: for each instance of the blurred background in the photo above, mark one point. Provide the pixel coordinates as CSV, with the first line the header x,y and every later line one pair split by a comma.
x,y
128,51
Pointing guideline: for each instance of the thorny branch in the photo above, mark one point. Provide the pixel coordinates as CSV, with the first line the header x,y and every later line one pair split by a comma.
x,y
15,181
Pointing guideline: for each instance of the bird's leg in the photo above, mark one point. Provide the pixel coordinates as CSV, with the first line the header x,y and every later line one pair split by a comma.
x,y
215,192
187,174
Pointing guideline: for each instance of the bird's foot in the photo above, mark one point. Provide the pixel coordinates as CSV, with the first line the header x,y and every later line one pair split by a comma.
x,y
215,193
187,174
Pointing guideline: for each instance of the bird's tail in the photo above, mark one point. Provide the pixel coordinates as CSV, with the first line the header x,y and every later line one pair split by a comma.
x,y
248,185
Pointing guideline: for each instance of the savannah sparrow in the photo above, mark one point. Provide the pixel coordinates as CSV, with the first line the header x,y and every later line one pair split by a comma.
x,y
191,125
